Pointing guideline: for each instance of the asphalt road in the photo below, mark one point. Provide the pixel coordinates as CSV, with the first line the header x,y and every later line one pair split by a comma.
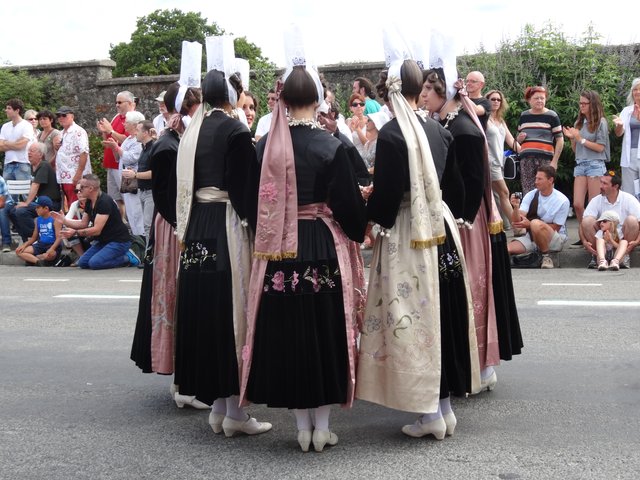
x,y
75,407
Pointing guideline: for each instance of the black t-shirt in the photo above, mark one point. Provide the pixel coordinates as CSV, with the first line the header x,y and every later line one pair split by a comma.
x,y
114,230
486,103
46,177
144,165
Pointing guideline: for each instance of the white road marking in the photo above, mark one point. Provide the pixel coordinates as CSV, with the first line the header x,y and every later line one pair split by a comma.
x,y
45,279
73,295
588,303
139,280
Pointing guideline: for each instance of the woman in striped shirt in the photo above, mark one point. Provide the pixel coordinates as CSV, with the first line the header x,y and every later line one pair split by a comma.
x,y
540,137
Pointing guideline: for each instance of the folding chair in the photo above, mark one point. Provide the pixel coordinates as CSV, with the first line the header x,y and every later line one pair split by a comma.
x,y
18,187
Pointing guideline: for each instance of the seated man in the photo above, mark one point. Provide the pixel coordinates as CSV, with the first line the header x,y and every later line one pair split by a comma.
x,y
543,214
624,204
45,242
102,221
44,182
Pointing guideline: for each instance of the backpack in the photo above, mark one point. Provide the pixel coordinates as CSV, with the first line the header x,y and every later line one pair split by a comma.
x,y
138,245
527,260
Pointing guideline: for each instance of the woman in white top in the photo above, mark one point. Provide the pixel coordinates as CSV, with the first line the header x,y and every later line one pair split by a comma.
x,y
127,155
628,124
497,134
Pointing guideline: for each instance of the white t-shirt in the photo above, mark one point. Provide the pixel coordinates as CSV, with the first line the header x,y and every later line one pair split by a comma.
x,y
625,205
552,208
159,123
264,124
12,133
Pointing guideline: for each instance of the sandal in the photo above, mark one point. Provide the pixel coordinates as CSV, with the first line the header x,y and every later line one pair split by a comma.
x,y
603,265
614,265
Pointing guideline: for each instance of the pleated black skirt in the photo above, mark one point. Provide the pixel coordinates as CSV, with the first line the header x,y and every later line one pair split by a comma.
x,y
206,364
141,347
508,324
300,357
454,322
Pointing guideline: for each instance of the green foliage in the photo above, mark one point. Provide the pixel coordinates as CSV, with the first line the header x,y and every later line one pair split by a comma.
x,y
96,153
36,93
156,44
260,84
545,57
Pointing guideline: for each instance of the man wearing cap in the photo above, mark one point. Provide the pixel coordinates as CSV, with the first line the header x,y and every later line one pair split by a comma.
x,y
72,153
44,182
44,245
15,135
160,121
125,102
543,214
624,204
102,221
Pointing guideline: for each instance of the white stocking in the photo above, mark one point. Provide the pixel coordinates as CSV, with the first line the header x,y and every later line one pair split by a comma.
x,y
322,417
234,410
486,373
430,417
303,419
219,406
445,405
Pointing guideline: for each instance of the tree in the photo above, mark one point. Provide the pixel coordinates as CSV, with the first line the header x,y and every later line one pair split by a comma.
x,y
156,44
36,93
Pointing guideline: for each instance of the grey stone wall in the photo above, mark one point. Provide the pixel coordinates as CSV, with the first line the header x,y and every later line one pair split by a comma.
x,y
91,88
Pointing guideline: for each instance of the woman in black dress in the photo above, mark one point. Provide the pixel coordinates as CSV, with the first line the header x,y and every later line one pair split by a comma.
x,y
414,348
216,190
153,343
300,351
496,316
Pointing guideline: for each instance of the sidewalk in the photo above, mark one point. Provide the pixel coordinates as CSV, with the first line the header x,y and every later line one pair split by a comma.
x,y
570,257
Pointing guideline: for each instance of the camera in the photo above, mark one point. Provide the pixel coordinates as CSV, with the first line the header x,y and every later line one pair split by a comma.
x,y
518,195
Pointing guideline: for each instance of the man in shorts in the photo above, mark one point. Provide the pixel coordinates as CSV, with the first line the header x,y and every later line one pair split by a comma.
x,y
543,213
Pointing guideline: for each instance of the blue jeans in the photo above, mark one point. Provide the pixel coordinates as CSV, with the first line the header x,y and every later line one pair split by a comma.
x,y
5,227
589,168
17,171
101,256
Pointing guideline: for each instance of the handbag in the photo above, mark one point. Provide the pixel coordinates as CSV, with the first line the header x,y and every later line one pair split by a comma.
x,y
511,170
129,185
527,260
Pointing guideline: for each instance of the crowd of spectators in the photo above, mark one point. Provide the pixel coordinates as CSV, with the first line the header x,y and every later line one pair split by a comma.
x,y
50,152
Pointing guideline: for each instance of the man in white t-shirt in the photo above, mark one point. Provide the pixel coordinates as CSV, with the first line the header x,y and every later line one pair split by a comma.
x,y
15,137
264,124
543,214
624,204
